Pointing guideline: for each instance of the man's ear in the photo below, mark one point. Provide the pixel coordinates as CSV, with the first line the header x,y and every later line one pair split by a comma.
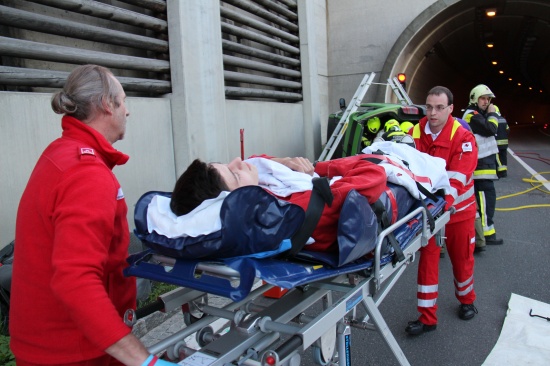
x,y
107,105
451,107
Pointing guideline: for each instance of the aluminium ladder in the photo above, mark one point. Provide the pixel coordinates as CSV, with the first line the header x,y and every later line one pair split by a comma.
x,y
340,128
400,93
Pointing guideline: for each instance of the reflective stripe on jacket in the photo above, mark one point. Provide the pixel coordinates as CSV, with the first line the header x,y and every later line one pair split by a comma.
x,y
487,145
502,132
484,127
457,147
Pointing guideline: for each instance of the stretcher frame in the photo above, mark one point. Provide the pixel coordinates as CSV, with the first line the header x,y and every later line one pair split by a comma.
x,y
254,330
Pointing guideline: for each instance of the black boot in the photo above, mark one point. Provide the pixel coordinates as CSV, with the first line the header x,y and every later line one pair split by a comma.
x,y
479,249
492,240
417,327
467,311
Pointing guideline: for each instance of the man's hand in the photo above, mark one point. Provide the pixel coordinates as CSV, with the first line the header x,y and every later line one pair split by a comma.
x,y
491,108
155,361
298,164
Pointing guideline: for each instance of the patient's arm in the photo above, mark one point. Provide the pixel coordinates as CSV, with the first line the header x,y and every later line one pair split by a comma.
x,y
298,164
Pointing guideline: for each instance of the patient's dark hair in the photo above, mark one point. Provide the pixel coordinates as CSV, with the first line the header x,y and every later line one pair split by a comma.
x,y
198,183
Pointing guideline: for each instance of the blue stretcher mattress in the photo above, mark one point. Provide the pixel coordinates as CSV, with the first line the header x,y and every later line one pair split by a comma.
x,y
305,268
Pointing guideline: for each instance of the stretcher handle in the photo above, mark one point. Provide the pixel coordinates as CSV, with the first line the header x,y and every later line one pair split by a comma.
x,y
289,346
157,305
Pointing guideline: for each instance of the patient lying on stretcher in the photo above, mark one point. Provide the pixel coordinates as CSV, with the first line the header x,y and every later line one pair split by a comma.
x,y
202,181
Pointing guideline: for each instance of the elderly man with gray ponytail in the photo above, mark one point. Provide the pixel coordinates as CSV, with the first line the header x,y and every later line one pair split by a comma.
x,y
68,291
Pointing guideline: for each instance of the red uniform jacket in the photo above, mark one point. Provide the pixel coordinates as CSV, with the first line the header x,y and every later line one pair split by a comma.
x,y
457,146
365,177
68,291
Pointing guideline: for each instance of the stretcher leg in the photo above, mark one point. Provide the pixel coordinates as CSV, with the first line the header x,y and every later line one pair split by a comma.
x,y
344,345
384,331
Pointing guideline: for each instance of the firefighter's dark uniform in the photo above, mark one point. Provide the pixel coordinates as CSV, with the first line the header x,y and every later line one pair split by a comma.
x,y
502,143
484,126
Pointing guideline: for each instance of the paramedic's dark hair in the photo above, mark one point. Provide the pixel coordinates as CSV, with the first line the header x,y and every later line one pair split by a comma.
x,y
438,90
86,89
198,183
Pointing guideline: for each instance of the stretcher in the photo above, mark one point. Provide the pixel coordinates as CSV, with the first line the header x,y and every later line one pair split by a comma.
x,y
276,332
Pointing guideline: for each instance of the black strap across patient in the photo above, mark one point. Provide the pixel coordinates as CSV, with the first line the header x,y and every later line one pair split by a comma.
x,y
320,195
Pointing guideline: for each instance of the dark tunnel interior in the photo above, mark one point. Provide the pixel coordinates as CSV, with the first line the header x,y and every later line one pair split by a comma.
x,y
463,46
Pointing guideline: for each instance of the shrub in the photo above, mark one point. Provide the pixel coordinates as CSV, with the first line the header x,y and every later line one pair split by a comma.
x,y
157,289
6,356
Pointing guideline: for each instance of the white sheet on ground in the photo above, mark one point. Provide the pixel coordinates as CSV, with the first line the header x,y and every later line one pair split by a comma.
x,y
524,340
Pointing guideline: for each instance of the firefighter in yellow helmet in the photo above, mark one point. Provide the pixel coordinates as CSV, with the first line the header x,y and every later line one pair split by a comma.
x,y
393,131
483,120
406,126
372,126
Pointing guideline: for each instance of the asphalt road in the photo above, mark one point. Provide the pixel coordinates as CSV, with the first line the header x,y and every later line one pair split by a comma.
x,y
520,266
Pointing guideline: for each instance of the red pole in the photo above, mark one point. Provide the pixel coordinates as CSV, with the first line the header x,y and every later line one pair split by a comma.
x,y
242,143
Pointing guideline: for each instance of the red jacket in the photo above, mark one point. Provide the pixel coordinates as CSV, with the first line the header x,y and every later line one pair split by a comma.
x,y
457,146
68,292
365,177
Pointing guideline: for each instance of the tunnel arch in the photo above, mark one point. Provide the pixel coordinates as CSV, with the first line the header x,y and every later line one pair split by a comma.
x,y
446,45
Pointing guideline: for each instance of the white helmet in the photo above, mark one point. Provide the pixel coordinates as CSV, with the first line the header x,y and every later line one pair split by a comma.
x,y
479,91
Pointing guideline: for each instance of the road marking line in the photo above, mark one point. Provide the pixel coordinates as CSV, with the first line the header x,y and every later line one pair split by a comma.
x,y
537,176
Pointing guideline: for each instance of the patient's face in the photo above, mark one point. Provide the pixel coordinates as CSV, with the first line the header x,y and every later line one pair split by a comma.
x,y
237,173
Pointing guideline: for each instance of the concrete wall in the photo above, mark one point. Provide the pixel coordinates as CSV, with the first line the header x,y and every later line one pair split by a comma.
x,y
28,125
269,128
362,34
340,41
164,135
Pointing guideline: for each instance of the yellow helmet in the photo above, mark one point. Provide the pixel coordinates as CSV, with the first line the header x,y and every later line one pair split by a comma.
x,y
391,123
406,126
479,91
373,124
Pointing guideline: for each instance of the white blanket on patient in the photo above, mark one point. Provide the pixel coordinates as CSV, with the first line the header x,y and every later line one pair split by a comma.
x,y
419,163
279,179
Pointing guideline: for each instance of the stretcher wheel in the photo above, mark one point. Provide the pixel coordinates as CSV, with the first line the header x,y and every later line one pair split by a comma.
x,y
323,351
204,336
192,312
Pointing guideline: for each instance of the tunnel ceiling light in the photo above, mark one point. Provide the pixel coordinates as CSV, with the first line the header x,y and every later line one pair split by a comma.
x,y
510,79
491,12
490,45
530,88
501,72
494,62
519,84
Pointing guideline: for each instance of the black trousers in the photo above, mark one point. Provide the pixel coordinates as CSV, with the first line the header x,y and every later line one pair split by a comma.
x,y
502,161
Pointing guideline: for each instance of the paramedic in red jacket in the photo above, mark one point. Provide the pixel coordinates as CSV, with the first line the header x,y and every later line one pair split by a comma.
x,y
439,134
202,181
68,293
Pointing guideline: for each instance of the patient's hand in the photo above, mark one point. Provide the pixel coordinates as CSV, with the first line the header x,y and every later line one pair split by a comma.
x,y
298,164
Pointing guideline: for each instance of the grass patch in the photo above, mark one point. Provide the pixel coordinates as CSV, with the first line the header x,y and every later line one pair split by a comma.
x,y
157,289
6,356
